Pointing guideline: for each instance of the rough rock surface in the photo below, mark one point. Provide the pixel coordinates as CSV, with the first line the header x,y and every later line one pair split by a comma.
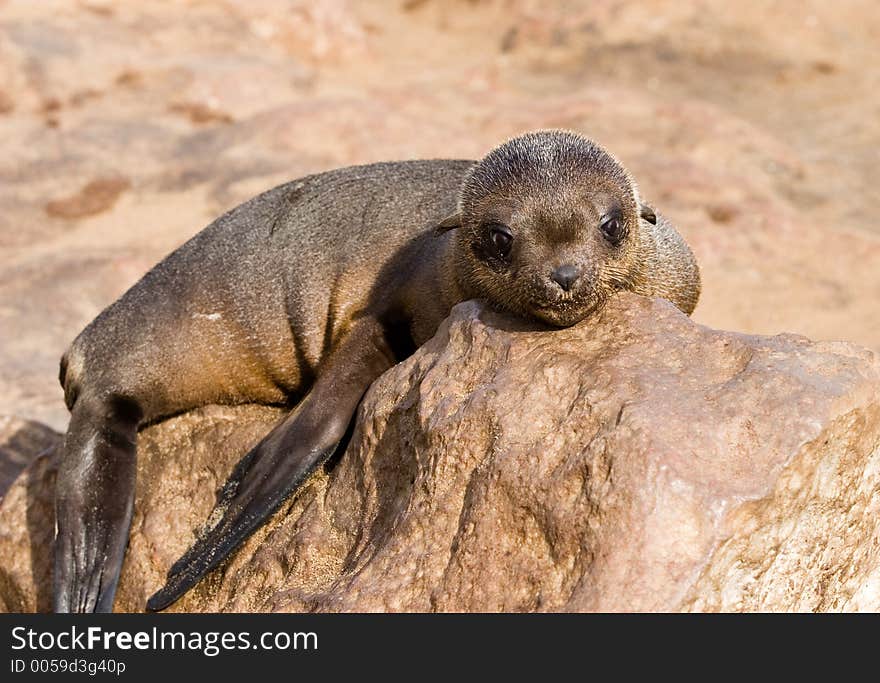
x,y
127,126
20,442
638,461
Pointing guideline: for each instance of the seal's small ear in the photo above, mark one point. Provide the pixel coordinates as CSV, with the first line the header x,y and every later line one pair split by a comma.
x,y
449,223
647,213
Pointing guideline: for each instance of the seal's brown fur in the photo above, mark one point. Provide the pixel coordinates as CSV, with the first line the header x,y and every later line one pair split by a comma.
x,y
305,294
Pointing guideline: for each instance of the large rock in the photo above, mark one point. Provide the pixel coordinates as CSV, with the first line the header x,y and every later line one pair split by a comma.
x,y
116,149
638,461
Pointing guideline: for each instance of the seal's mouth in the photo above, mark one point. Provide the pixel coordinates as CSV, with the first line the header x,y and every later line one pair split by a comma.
x,y
566,312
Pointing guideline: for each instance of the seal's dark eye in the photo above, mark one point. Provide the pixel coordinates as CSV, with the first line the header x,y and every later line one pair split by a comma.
x,y
612,229
501,239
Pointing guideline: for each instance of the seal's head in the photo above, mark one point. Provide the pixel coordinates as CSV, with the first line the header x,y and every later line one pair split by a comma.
x,y
548,224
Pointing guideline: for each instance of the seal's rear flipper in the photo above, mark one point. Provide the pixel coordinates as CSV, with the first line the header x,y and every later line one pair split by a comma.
x,y
276,467
93,503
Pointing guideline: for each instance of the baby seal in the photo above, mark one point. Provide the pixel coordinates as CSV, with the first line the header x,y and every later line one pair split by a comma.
x,y
306,294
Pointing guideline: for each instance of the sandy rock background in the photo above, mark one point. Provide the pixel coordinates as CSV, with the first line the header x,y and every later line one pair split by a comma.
x,y
127,126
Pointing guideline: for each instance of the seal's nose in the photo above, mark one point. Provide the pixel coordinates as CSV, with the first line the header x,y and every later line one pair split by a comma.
x,y
565,276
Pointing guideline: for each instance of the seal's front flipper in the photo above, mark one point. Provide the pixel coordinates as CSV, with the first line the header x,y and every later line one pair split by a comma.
x,y
93,503
271,472
283,460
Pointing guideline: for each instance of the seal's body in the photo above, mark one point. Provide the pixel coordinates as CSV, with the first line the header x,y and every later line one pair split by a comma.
x,y
307,293
246,309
